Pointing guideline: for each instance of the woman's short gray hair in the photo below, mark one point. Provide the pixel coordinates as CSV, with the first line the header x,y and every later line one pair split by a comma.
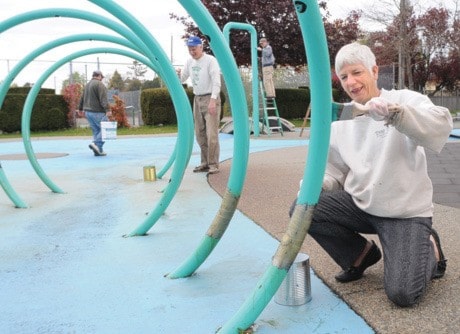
x,y
354,53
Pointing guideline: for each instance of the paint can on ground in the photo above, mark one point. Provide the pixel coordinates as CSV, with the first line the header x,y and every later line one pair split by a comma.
x,y
150,173
295,289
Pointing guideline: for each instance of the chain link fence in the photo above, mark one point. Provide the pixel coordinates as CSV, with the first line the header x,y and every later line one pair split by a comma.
x,y
284,77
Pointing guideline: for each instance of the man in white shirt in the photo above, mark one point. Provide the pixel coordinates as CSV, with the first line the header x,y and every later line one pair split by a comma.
x,y
376,182
204,72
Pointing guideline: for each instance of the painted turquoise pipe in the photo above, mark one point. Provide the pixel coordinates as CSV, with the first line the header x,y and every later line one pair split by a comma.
x,y
26,121
241,136
318,63
236,92
55,12
29,103
254,64
184,142
148,44
7,81
196,259
29,16
168,164
83,15
26,118
313,33
12,195
211,238
179,149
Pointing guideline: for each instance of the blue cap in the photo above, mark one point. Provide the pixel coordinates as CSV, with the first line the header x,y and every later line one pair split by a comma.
x,y
193,41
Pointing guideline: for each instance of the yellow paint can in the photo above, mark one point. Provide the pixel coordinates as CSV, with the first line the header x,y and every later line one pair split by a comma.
x,y
150,173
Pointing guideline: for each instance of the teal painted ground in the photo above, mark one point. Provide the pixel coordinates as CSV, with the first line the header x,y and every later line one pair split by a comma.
x,y
65,267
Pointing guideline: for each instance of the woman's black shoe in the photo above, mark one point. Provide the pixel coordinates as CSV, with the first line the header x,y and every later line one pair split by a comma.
x,y
442,265
355,273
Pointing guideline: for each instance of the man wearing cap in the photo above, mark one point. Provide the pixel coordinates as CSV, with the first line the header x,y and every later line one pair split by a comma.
x,y
204,72
268,60
96,106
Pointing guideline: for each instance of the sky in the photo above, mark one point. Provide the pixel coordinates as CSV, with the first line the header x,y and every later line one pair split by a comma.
x,y
20,40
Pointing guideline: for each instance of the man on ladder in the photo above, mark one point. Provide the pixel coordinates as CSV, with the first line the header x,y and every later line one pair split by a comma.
x,y
268,61
268,88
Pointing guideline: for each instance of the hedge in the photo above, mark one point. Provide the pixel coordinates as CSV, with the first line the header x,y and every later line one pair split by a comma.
x,y
48,112
157,106
292,103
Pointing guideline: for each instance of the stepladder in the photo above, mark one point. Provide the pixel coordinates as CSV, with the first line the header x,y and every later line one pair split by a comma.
x,y
270,116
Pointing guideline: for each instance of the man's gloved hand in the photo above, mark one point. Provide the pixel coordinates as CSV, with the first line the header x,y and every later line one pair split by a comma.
x,y
378,108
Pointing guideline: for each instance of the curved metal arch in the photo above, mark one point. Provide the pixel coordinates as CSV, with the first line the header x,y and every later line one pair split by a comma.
x,y
180,100
83,15
28,105
25,61
254,64
318,58
25,17
185,123
10,192
8,80
241,134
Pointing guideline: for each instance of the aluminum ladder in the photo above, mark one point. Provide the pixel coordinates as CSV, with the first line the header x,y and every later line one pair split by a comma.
x,y
270,112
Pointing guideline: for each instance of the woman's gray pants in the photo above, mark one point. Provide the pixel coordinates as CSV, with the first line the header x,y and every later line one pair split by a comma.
x,y
409,258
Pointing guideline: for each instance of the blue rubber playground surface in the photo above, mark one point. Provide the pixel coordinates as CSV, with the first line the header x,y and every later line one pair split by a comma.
x,y
65,266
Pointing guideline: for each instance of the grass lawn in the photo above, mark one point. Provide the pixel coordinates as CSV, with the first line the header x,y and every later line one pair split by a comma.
x,y
141,130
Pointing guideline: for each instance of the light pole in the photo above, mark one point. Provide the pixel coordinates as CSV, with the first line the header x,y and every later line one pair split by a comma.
x,y
402,43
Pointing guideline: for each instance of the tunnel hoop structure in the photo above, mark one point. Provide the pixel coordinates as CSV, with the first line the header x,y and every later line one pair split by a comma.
x,y
238,170
32,95
27,110
314,37
254,64
185,136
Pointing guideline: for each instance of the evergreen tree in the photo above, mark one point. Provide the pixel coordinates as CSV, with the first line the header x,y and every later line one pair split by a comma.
x,y
116,82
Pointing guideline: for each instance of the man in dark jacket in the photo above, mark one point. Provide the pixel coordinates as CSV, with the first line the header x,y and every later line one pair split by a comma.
x,y
96,106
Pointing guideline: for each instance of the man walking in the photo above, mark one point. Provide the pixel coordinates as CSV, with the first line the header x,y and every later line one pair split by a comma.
x,y
96,106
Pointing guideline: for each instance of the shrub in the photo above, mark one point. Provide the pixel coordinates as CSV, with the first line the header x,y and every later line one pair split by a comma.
x,y
157,106
292,103
8,122
53,117
72,94
118,109
13,106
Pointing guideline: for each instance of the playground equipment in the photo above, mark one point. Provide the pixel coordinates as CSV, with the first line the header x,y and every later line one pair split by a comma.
x,y
142,40
241,135
318,59
255,96
151,54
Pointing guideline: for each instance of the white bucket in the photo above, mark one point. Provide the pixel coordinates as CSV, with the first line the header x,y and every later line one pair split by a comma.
x,y
109,130
295,289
